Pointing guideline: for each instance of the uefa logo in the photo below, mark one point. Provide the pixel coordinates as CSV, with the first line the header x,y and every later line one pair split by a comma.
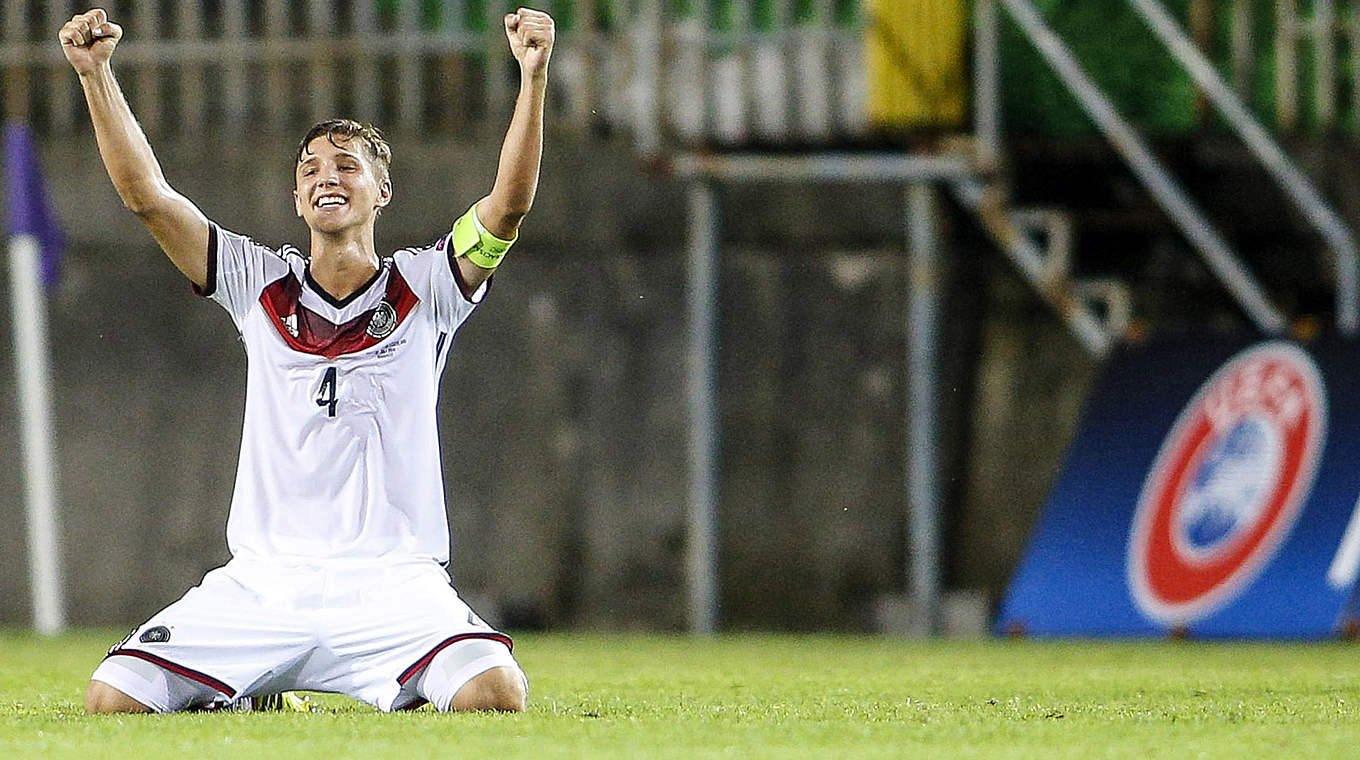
x,y
1228,483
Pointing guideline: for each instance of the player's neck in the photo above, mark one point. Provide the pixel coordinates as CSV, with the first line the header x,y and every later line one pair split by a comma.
x,y
342,264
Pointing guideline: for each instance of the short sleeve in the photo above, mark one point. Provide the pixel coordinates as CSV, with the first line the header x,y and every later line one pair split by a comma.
x,y
435,279
238,270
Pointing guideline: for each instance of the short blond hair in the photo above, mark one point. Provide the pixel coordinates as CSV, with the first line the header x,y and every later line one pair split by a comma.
x,y
379,152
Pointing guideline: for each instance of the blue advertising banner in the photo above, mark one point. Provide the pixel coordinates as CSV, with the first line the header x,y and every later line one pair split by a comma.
x,y
1209,493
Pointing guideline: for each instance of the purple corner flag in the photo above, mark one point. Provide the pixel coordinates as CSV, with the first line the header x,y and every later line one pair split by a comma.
x,y
30,209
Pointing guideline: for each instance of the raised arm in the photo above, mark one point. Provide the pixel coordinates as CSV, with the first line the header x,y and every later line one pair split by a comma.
x,y
531,35
88,40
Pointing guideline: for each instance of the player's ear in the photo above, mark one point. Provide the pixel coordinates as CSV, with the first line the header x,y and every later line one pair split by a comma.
x,y
297,204
384,193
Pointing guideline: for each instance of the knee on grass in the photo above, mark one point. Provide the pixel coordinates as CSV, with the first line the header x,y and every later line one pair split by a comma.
x,y
101,699
498,689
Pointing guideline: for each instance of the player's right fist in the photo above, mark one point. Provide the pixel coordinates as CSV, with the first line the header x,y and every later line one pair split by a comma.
x,y
88,40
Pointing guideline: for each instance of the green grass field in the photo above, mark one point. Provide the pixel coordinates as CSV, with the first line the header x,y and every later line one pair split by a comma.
x,y
761,696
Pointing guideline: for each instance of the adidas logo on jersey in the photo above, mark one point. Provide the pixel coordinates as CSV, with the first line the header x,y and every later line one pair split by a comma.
x,y
290,324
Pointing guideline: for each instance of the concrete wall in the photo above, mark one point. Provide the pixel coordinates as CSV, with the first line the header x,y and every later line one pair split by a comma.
x,y
576,516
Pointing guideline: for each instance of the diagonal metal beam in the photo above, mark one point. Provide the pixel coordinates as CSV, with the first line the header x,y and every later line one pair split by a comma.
x,y
1219,257
1296,185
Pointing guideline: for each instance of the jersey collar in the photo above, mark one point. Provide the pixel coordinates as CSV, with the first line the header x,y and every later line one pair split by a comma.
x,y
340,303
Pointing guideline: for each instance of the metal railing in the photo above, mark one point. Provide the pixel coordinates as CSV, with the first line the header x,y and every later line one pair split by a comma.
x,y
1217,254
1309,52
1318,26
1296,186
668,71
677,72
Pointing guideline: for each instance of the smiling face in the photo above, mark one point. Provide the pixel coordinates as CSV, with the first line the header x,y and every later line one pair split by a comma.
x,y
337,185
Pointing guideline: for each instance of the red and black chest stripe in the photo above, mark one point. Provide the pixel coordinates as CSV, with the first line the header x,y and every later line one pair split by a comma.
x,y
306,331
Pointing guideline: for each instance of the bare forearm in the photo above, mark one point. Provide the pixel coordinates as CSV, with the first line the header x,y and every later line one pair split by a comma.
x,y
521,154
123,147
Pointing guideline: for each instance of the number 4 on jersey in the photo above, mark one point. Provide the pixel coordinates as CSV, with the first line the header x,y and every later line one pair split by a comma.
x,y
325,395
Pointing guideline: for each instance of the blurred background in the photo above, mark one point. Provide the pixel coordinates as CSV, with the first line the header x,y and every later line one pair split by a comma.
x,y
671,123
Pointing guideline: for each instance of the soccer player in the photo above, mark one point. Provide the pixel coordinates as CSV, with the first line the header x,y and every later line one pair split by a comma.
x,y
337,527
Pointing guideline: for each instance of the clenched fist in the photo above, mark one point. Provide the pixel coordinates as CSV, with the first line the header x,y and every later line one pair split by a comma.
x,y
531,36
88,40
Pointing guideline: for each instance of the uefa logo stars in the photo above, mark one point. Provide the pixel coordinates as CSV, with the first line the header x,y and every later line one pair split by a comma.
x,y
1228,483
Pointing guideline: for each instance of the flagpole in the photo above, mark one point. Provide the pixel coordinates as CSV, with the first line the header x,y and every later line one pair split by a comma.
x,y
35,414
34,245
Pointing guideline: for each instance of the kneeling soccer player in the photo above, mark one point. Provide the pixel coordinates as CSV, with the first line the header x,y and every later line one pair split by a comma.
x,y
337,526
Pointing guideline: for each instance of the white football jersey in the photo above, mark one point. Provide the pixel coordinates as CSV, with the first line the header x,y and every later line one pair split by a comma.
x,y
339,451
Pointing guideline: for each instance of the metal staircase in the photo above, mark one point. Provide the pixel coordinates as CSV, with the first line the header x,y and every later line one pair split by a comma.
x,y
1039,241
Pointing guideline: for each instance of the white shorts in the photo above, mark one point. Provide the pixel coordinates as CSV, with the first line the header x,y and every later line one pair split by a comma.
x,y
254,628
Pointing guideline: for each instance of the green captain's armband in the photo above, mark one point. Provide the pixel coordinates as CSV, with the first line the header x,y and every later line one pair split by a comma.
x,y
471,239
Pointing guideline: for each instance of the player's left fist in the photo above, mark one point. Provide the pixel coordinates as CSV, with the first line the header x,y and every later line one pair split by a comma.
x,y
531,35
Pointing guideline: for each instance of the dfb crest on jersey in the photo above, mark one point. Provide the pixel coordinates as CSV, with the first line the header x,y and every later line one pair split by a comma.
x,y
384,320
1228,483
158,635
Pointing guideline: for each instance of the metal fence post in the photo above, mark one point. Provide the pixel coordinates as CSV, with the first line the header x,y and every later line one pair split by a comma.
x,y
701,556
923,498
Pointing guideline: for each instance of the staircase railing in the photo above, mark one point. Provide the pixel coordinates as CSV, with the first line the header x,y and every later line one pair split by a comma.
x,y
1217,254
1295,184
